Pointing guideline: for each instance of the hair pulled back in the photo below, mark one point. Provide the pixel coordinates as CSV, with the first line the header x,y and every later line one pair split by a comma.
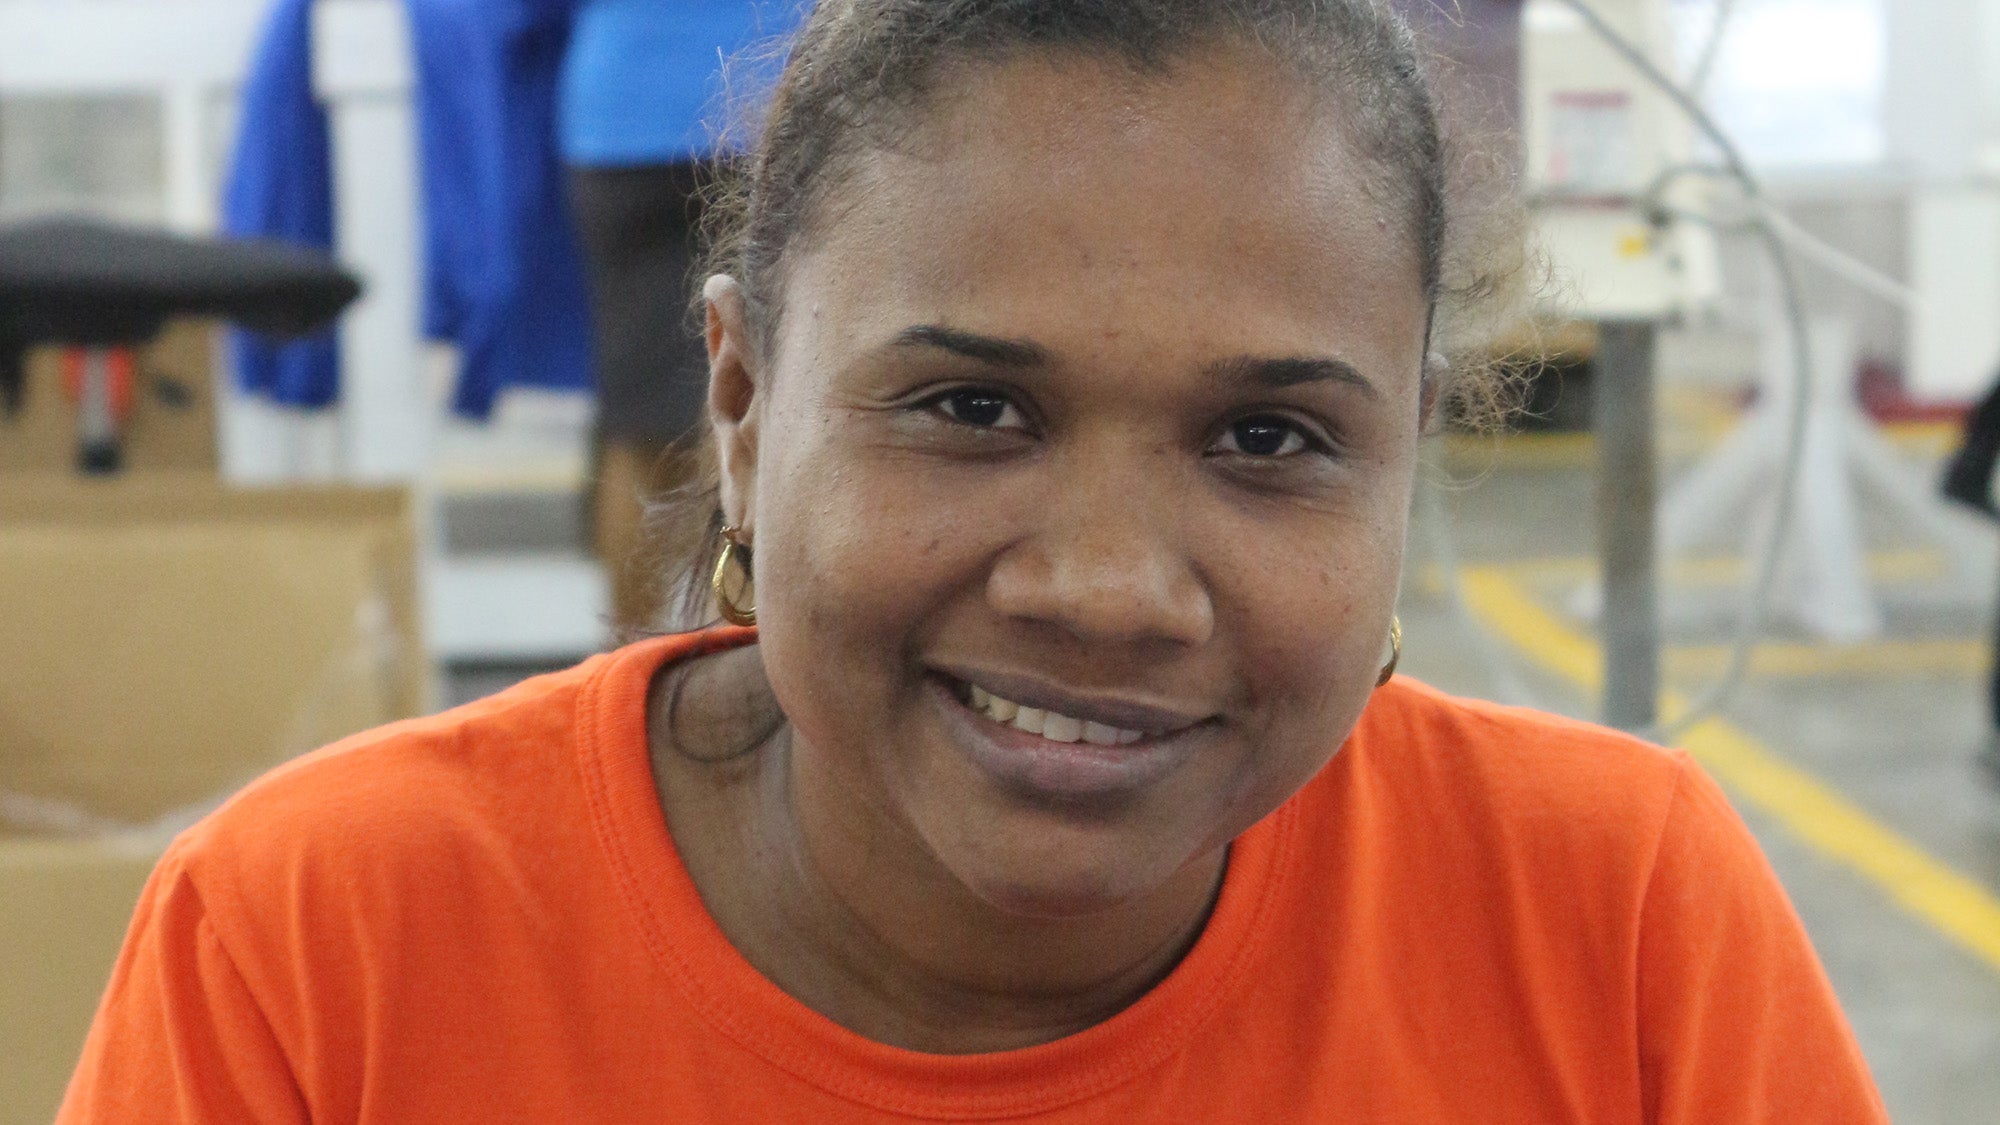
x,y
861,74
863,71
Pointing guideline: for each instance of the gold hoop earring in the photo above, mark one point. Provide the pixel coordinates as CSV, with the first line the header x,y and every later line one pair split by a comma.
x,y
732,544
1395,650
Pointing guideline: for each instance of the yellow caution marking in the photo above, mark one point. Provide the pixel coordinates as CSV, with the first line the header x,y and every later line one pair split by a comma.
x,y
1702,428
1956,906
1935,439
1545,451
1879,659
1916,565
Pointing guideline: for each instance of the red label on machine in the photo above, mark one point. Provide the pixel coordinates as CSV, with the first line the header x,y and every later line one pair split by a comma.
x,y
120,368
1592,149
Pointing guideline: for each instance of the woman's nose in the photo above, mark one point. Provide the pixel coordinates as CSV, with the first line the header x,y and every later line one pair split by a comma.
x,y
1105,559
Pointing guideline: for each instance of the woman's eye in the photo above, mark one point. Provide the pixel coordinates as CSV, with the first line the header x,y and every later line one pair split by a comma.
x,y
982,408
1263,436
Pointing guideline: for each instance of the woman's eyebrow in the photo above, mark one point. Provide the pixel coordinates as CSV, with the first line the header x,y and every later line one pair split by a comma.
x,y
1264,372
988,349
1290,371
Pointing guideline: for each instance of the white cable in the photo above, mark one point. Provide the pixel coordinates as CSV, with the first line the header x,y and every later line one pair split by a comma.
x,y
1838,262
1711,52
1765,570
1807,245
1827,256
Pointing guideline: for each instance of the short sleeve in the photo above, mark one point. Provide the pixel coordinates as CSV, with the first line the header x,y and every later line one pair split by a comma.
x,y
178,1036
1737,1021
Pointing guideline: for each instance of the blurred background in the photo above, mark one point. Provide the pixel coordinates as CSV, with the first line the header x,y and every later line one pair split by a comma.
x,y
328,397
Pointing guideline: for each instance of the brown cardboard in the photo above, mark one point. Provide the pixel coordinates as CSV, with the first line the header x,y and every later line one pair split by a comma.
x,y
67,906
162,641
172,425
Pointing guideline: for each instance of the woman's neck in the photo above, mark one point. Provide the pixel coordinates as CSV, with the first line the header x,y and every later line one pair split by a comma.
x,y
853,918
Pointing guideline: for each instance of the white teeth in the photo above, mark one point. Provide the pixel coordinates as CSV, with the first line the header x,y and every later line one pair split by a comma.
x,y
1054,726
1061,728
1097,734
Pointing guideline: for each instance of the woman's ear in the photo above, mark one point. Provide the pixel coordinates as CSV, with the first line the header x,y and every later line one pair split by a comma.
x,y
735,381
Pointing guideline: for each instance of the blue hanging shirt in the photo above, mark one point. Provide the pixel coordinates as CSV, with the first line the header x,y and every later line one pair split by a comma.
x,y
280,186
503,275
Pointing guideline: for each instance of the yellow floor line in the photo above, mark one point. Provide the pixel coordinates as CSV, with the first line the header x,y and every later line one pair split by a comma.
x,y
1873,658
1816,813
1691,434
1916,565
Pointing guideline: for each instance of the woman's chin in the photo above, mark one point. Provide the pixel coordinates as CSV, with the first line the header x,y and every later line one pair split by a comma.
x,y
1039,887
1051,903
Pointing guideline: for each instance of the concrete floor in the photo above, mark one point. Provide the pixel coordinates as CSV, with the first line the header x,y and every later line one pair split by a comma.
x,y
1889,725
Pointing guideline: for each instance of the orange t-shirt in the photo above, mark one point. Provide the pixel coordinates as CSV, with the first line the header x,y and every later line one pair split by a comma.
x,y
1473,914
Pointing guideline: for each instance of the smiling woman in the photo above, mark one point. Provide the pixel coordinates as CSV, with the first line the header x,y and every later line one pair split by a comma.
x,y
1067,377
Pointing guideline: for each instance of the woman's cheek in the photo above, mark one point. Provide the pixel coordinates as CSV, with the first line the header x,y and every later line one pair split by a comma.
x,y
1315,641
869,548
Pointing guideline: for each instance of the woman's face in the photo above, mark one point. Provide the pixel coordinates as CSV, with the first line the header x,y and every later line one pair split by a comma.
x,y
1099,398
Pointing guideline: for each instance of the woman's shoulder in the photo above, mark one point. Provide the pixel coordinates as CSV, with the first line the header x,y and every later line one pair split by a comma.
x,y
395,805
505,779
426,760
1471,741
1505,780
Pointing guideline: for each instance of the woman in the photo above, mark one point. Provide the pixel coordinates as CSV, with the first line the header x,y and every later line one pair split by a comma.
x,y
1066,388
1968,480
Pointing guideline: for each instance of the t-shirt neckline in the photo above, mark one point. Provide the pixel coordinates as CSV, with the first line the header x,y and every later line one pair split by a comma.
x,y
741,1004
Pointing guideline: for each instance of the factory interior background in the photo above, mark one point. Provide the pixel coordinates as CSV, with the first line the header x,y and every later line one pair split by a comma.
x,y
210,578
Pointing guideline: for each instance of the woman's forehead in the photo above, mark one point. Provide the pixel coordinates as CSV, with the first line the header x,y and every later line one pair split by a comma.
x,y
1228,125
1082,188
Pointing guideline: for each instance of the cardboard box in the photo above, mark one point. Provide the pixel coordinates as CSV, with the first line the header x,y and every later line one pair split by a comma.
x,y
172,425
162,641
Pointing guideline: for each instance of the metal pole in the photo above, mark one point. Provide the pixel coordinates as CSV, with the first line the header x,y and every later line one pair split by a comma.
x,y
1622,393
96,416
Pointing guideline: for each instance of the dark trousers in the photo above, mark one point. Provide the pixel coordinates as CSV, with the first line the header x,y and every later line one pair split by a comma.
x,y
640,228
1980,450
641,232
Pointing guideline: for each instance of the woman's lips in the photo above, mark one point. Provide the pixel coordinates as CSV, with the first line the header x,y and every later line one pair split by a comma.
x,y
1052,725
1059,757
1119,711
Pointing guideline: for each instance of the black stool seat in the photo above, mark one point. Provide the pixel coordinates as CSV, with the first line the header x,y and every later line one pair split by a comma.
x,y
90,283
97,284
